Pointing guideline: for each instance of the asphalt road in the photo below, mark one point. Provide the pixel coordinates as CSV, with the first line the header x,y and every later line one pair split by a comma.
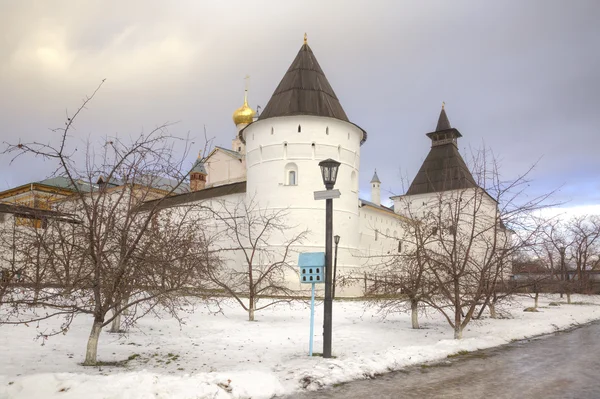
x,y
563,365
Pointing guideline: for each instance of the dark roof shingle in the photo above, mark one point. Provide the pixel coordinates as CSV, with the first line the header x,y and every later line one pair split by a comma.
x,y
443,170
304,90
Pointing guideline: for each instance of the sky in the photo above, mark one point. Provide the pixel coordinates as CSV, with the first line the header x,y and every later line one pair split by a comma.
x,y
519,78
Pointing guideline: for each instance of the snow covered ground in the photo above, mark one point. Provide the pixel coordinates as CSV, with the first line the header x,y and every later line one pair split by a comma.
x,y
224,356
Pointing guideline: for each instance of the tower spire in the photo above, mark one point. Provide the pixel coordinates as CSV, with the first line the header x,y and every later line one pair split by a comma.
x,y
305,38
444,133
443,169
247,79
443,122
244,114
375,189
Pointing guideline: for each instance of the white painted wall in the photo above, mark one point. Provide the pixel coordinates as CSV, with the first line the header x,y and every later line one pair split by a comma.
x,y
222,168
274,147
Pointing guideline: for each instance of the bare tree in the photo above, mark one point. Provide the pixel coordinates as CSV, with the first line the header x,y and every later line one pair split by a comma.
x,y
584,246
467,236
115,260
403,281
260,246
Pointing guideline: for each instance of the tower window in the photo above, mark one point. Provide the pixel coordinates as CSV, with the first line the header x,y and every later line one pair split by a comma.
x,y
239,149
376,234
291,174
399,246
327,130
272,130
299,128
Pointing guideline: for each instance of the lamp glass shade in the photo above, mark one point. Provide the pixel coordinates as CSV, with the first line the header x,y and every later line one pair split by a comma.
x,y
329,171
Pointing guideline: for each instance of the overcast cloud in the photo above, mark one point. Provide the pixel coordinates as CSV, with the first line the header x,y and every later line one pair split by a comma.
x,y
520,77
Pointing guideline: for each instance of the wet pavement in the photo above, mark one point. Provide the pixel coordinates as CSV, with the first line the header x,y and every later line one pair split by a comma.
x,y
562,365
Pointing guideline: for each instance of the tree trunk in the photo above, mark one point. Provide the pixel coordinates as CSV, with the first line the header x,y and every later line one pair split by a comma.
x,y
251,309
116,323
115,327
125,302
458,331
537,295
414,313
568,297
492,307
92,345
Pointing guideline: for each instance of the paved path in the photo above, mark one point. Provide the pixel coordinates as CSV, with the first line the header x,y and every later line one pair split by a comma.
x,y
564,365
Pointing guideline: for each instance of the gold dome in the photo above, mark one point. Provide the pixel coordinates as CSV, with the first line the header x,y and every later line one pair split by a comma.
x,y
244,114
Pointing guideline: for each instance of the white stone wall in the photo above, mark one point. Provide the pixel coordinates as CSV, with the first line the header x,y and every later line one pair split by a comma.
x,y
224,169
274,147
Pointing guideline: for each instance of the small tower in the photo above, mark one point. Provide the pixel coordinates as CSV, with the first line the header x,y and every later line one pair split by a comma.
x,y
444,133
375,189
242,117
444,168
198,175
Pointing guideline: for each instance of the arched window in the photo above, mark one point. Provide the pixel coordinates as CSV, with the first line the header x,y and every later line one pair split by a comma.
x,y
299,128
376,234
291,174
272,130
327,130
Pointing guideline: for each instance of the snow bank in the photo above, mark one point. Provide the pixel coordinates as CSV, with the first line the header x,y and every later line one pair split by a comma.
x,y
224,356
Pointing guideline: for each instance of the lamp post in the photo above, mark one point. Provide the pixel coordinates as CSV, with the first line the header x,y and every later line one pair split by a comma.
x,y
336,240
562,270
329,171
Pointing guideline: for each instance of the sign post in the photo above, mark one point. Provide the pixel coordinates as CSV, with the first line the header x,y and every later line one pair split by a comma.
x,y
312,265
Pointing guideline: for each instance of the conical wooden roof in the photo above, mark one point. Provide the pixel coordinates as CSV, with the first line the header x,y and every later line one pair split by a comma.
x,y
443,122
444,169
304,90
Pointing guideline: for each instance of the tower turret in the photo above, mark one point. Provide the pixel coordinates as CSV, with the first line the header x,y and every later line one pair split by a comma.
x,y
375,189
444,133
443,169
198,175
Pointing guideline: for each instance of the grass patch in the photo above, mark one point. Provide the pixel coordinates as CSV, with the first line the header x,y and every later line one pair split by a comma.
x,y
434,365
554,304
459,353
113,363
530,309
317,354
101,363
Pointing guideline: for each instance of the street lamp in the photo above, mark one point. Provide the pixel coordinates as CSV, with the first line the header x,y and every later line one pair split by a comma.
x,y
336,240
329,171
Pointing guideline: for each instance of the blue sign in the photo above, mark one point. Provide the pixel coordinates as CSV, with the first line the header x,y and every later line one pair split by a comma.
x,y
312,271
312,267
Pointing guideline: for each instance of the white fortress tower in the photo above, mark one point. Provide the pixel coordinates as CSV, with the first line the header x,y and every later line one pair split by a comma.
x,y
303,124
